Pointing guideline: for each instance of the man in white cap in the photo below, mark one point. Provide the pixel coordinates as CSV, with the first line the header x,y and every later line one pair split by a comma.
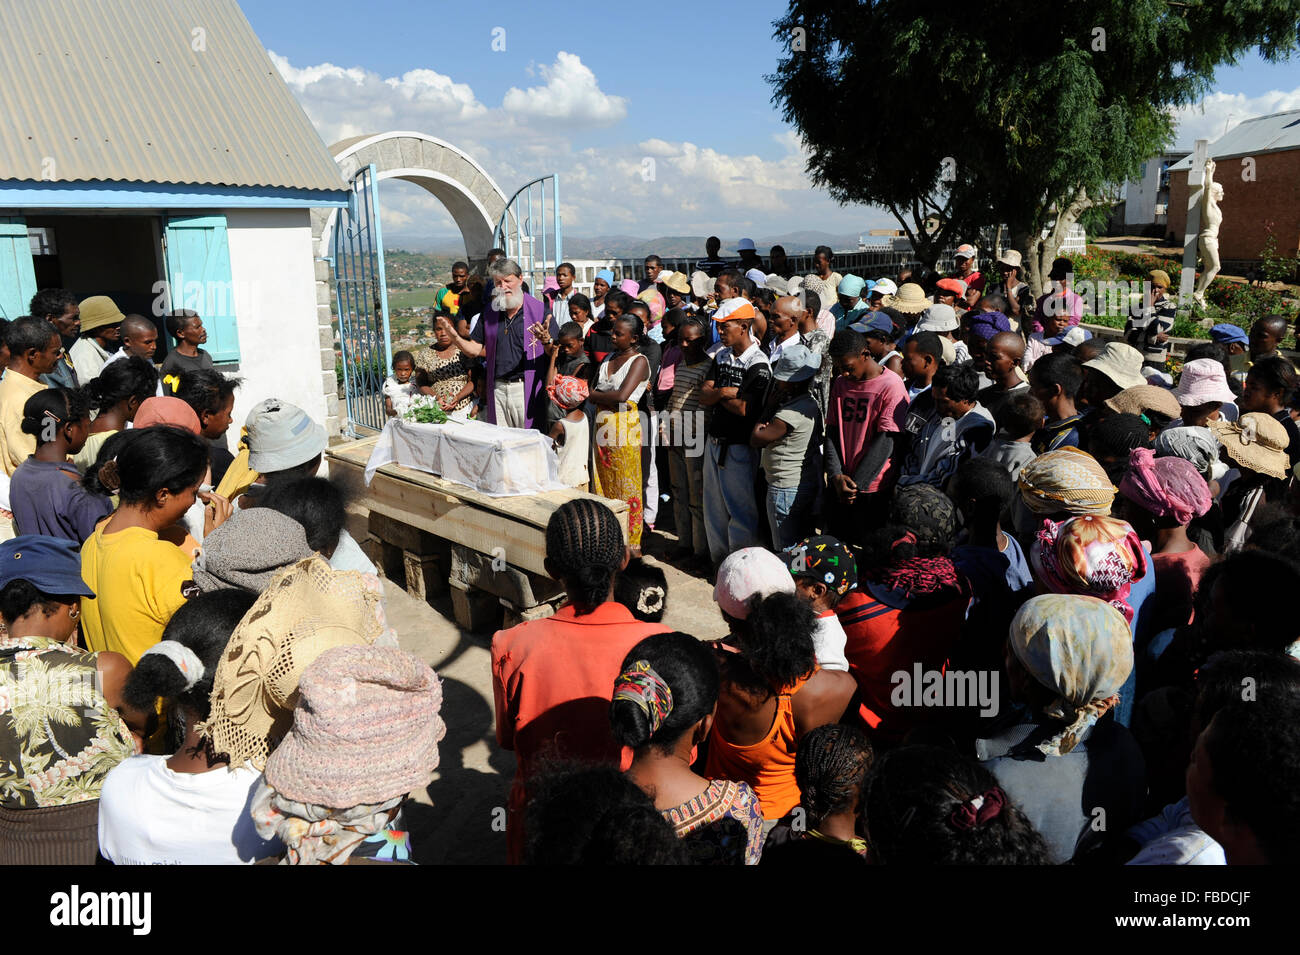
x,y
285,444
881,293
964,258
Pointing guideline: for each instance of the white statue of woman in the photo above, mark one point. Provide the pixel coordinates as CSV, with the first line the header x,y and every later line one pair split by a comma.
x,y
1208,241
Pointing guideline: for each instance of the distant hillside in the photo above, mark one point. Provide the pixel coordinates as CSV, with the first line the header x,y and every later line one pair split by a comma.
x,y
629,246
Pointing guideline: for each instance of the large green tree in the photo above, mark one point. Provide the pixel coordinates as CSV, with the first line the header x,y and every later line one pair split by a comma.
x,y
1009,111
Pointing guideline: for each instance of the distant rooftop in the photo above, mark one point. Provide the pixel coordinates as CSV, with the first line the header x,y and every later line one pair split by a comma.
x,y
1263,134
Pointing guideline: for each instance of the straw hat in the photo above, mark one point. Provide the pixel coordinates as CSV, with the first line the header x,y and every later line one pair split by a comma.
x,y
1120,363
305,610
910,299
1144,398
701,284
1256,441
677,282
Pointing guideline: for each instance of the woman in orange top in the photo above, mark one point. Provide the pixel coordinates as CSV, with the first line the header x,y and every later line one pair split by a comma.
x,y
553,678
772,695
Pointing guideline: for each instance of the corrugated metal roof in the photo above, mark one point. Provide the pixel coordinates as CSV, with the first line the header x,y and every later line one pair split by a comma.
x,y
153,91
1263,134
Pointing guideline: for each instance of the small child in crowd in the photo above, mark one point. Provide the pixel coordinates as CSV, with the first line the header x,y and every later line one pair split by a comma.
x,y
643,589
398,387
1018,419
824,571
1055,381
570,432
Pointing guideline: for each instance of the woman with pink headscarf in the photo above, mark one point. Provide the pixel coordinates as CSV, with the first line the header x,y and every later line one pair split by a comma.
x,y
1102,557
1160,497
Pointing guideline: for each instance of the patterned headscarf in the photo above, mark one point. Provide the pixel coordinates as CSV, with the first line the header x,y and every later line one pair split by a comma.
x,y
1196,445
1094,556
656,302
1080,649
568,391
1167,487
1066,480
640,684
987,324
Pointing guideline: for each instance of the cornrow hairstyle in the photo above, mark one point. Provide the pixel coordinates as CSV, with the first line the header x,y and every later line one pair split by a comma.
x,y
911,795
157,459
1254,751
831,767
60,406
204,624
122,380
776,645
102,477
580,814
584,543
206,390
688,667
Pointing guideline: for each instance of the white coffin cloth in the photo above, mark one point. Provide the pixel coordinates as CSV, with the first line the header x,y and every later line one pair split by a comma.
x,y
492,460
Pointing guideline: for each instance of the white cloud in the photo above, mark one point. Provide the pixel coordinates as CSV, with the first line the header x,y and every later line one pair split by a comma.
x,y
571,95
1220,112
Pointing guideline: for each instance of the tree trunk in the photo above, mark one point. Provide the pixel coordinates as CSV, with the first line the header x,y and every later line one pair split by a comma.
x,y
1031,272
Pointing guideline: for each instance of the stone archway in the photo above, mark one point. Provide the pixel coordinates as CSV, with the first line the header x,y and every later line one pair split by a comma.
x,y
474,200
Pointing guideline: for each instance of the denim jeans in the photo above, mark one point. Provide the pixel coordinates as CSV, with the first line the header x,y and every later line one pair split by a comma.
x,y
730,508
789,513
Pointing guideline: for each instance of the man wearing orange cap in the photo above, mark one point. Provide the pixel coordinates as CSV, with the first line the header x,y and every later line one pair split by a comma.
x,y
736,388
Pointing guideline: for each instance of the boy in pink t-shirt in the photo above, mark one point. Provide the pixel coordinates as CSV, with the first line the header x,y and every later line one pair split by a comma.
x,y
865,412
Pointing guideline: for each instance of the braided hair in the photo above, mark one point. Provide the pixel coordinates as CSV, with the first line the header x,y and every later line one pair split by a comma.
x,y
831,769
912,797
584,545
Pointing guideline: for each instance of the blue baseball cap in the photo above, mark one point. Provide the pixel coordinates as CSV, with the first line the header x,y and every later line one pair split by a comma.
x,y
878,321
50,564
1227,333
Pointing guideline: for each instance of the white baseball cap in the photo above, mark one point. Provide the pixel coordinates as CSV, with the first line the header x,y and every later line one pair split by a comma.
x,y
884,287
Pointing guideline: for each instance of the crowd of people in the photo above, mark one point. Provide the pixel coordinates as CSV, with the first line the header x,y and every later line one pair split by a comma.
x,y
195,666
996,591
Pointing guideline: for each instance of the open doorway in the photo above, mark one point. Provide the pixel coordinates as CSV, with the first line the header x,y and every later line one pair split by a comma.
x,y
120,256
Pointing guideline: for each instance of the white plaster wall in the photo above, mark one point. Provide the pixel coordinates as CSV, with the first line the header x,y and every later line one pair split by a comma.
x,y
272,268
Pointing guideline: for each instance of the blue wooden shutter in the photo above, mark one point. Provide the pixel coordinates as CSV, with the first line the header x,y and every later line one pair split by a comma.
x,y
17,274
198,270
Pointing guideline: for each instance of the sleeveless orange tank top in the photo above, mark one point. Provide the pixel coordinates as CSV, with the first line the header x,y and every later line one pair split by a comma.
x,y
768,765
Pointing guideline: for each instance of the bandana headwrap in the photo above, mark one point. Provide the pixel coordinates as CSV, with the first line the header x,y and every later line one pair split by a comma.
x,y
640,684
987,324
1093,556
1080,650
568,391
1066,480
1167,487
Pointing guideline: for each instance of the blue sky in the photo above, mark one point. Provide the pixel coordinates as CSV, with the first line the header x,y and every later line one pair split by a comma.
x,y
680,82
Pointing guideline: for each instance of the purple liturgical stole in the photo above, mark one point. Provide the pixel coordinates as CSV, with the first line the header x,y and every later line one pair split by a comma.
x,y
532,312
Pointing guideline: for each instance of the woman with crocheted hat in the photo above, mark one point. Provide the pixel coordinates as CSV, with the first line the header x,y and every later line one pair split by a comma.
x,y
365,735
1067,658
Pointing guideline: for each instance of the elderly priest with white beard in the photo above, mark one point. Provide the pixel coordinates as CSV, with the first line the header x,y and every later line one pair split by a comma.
x,y
514,356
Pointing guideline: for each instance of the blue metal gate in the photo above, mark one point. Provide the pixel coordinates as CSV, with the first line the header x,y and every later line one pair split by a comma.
x,y
531,230
361,304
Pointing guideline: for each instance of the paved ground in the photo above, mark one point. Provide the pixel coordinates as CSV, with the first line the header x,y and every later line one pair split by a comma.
x,y
458,819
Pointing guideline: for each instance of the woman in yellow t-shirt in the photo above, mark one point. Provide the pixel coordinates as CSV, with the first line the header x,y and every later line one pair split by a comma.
x,y
139,580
